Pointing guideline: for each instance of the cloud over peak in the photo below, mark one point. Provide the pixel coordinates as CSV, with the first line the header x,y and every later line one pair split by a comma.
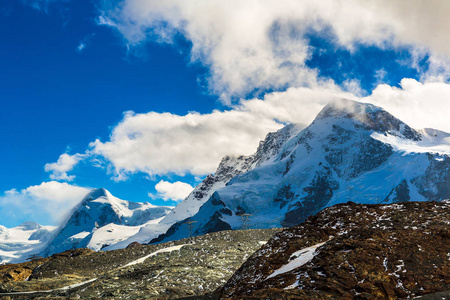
x,y
46,203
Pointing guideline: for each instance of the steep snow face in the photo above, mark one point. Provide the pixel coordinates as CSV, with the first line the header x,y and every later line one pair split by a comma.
x,y
229,167
351,151
100,220
23,241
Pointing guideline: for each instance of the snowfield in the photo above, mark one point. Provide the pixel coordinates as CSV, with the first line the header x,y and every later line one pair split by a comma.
x,y
298,259
18,243
141,260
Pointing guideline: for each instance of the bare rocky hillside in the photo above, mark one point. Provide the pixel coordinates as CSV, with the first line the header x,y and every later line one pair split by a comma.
x,y
354,251
188,267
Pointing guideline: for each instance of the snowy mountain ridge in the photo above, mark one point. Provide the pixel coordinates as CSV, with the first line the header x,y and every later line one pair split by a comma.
x,y
100,220
351,151
230,167
18,243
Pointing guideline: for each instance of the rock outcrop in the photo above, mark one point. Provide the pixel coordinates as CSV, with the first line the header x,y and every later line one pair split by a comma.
x,y
353,251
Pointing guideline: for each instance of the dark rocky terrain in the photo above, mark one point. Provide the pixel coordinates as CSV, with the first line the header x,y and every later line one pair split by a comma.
x,y
201,266
397,251
359,251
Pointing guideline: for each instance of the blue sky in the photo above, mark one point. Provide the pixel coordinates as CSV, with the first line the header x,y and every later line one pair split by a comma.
x,y
144,98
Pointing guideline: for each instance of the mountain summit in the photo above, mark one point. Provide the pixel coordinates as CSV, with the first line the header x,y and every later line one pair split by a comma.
x,y
370,116
351,151
101,219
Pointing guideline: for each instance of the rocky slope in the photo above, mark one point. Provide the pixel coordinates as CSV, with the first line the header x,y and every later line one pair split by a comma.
x,y
353,251
351,151
184,268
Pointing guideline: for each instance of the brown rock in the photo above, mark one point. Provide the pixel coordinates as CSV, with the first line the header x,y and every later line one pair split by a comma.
x,y
134,245
370,252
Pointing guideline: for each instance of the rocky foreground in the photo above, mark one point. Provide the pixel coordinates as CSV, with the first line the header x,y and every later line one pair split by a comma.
x,y
348,251
188,267
353,251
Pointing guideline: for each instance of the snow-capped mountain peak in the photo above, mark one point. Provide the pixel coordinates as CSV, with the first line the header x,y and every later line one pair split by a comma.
x,y
230,167
98,209
369,116
341,107
95,194
351,151
29,225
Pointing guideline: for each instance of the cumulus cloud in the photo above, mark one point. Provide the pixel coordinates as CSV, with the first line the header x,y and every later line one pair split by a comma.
x,y
65,164
160,144
47,203
163,143
420,105
175,191
261,45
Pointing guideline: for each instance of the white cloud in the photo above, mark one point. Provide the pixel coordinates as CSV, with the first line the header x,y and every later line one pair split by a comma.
x,y
84,43
175,191
166,143
81,47
65,164
48,202
160,144
260,44
420,105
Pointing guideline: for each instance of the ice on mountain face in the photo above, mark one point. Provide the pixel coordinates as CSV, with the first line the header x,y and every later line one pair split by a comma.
x,y
350,152
433,184
400,193
100,220
430,142
18,243
230,167
143,235
41,234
